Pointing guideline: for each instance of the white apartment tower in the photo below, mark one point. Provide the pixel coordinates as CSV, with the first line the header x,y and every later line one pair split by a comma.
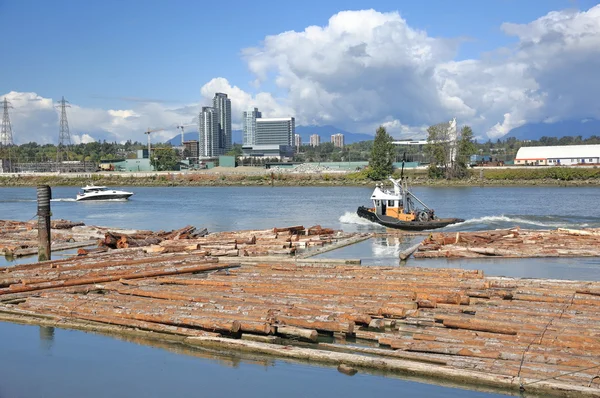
x,y
338,140
249,125
297,141
209,134
222,104
315,140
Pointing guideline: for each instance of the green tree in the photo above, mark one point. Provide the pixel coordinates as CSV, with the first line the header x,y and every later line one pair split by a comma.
x,y
437,149
164,159
465,147
382,155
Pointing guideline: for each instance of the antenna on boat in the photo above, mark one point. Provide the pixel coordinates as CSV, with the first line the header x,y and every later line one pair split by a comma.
x,y
402,170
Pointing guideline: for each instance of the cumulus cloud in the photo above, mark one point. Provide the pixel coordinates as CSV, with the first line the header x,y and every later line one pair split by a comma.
x,y
367,68
35,118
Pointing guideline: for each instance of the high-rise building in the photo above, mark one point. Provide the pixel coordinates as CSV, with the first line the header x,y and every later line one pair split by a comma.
x,y
209,132
315,140
222,104
338,140
249,125
297,141
275,131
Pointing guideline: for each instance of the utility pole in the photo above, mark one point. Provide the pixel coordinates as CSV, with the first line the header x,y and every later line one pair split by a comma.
x,y
64,136
6,137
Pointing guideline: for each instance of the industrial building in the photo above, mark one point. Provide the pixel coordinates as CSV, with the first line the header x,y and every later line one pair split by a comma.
x,y
315,140
338,140
564,155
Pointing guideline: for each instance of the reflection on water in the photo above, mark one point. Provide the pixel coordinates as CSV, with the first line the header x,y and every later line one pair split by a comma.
x,y
93,366
386,250
46,337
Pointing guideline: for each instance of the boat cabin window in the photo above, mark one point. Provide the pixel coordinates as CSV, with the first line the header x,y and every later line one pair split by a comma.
x,y
391,203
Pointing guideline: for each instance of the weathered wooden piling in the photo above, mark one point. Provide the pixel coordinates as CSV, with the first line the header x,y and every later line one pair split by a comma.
x,y
44,194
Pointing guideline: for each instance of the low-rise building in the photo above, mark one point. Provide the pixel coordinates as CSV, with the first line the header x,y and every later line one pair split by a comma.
x,y
558,155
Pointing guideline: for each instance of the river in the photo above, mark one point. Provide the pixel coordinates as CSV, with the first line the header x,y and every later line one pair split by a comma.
x,y
40,362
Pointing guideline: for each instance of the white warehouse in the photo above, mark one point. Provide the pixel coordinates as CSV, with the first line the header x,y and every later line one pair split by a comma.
x,y
558,155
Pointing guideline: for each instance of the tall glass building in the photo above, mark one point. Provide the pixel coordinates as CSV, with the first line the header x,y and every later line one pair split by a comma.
x,y
249,125
209,133
223,106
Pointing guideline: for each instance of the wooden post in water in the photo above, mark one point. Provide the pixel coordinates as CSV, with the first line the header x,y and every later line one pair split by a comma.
x,y
43,205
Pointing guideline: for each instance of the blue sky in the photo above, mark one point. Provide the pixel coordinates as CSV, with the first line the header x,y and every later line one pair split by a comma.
x,y
105,54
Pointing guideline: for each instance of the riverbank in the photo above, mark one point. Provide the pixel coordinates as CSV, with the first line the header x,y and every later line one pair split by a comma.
x,y
264,177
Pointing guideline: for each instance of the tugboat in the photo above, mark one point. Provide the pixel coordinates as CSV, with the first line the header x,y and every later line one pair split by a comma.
x,y
397,209
95,192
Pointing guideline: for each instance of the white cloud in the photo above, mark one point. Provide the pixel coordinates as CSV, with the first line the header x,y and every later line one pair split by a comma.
x,y
367,68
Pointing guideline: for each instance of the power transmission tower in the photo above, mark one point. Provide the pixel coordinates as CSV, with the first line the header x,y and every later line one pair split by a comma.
x,y
64,137
6,138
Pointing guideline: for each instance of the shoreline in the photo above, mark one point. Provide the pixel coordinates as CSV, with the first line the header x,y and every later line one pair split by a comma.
x,y
225,179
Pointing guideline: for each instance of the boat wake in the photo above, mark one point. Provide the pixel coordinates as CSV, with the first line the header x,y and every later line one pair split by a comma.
x,y
353,218
526,221
62,200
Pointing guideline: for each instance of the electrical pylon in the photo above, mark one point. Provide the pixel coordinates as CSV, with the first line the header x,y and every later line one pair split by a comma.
x,y
64,136
6,137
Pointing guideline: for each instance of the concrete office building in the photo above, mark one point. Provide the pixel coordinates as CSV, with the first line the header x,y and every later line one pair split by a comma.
x,y
209,137
315,140
297,141
249,126
275,131
222,105
338,140
273,138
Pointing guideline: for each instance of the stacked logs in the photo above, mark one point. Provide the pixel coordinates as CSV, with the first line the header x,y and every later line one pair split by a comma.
x,y
514,242
519,329
19,238
251,243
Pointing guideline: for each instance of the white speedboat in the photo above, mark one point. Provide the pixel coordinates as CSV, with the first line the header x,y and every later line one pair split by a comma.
x,y
95,192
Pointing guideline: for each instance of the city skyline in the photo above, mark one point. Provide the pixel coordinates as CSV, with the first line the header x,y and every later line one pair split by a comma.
x,y
513,64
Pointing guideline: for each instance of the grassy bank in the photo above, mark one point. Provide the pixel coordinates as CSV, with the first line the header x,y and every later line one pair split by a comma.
x,y
553,176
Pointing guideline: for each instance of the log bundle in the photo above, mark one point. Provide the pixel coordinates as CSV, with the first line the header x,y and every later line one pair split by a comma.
x,y
18,238
513,242
523,330
251,243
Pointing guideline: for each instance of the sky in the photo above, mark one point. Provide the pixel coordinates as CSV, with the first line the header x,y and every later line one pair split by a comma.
x,y
126,66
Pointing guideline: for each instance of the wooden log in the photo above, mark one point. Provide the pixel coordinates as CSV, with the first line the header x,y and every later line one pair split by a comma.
x,y
292,230
484,326
407,252
291,331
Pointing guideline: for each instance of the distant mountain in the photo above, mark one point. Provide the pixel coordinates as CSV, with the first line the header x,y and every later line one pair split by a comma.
x,y
535,131
325,132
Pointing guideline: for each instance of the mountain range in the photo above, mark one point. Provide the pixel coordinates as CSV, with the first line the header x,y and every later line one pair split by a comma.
x,y
531,131
534,131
